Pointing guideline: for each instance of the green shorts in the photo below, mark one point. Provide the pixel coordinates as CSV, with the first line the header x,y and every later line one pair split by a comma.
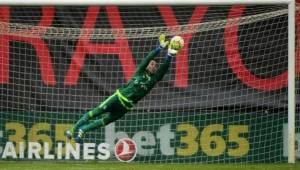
x,y
114,107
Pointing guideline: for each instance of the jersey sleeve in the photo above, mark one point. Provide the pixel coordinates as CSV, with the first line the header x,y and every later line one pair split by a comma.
x,y
162,70
142,67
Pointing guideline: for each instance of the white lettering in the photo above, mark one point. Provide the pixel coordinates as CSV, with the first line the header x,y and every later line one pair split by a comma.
x,y
34,148
70,150
89,151
59,150
21,150
47,154
9,150
111,136
144,138
165,135
103,150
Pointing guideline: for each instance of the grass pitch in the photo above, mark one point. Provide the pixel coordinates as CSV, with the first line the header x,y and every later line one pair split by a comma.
x,y
91,165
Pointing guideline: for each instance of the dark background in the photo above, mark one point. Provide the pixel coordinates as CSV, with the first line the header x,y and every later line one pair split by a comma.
x,y
211,82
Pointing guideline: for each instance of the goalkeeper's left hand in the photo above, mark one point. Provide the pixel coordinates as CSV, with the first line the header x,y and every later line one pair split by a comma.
x,y
162,41
172,50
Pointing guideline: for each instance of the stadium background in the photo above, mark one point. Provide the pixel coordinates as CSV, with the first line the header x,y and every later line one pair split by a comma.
x,y
46,89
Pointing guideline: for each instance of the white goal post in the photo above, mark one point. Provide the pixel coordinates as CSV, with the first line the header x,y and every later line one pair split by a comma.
x,y
291,37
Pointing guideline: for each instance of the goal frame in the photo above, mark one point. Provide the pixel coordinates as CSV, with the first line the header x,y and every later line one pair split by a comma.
x,y
291,38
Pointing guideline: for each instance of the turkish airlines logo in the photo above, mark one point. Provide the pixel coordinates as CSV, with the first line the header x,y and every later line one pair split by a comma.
x,y
125,150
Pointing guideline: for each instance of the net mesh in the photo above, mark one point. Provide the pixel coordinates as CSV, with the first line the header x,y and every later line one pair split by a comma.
x,y
224,98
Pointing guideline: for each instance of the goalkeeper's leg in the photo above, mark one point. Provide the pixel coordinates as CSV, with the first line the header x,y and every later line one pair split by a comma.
x,y
83,120
105,120
114,110
101,109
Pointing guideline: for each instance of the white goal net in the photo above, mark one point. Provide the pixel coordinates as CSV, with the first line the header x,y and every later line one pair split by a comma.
x,y
224,98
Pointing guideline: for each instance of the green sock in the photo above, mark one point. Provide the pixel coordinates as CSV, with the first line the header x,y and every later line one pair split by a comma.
x,y
83,120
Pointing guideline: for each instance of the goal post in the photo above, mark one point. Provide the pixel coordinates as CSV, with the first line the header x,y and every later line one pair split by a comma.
x,y
291,80
155,98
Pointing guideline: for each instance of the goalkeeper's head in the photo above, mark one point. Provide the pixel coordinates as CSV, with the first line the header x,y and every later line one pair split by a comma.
x,y
152,67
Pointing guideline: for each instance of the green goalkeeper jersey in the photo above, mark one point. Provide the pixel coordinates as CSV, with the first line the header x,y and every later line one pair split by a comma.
x,y
141,83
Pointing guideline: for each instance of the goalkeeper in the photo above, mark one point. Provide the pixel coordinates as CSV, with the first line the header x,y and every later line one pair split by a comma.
x,y
114,107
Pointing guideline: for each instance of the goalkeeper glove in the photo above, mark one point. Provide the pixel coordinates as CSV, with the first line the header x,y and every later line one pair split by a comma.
x,y
162,41
172,52
173,48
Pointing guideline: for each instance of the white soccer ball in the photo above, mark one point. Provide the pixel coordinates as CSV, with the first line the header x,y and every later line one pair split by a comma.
x,y
177,42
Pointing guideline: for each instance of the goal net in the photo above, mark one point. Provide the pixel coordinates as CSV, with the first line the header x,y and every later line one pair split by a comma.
x,y
224,98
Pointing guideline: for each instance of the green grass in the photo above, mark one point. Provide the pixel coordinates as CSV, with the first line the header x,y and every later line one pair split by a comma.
x,y
92,165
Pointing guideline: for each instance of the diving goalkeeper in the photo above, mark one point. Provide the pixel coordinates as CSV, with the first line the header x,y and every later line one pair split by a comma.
x,y
114,107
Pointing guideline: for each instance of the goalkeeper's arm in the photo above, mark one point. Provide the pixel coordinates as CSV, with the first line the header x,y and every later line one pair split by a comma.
x,y
162,44
163,68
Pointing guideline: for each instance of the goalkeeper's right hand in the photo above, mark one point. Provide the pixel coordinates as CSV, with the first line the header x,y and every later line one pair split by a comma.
x,y
172,50
162,41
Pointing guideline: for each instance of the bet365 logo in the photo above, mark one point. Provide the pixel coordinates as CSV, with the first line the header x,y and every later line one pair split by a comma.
x,y
125,150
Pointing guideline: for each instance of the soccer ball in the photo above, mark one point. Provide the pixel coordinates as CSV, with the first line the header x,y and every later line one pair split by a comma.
x,y
177,43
